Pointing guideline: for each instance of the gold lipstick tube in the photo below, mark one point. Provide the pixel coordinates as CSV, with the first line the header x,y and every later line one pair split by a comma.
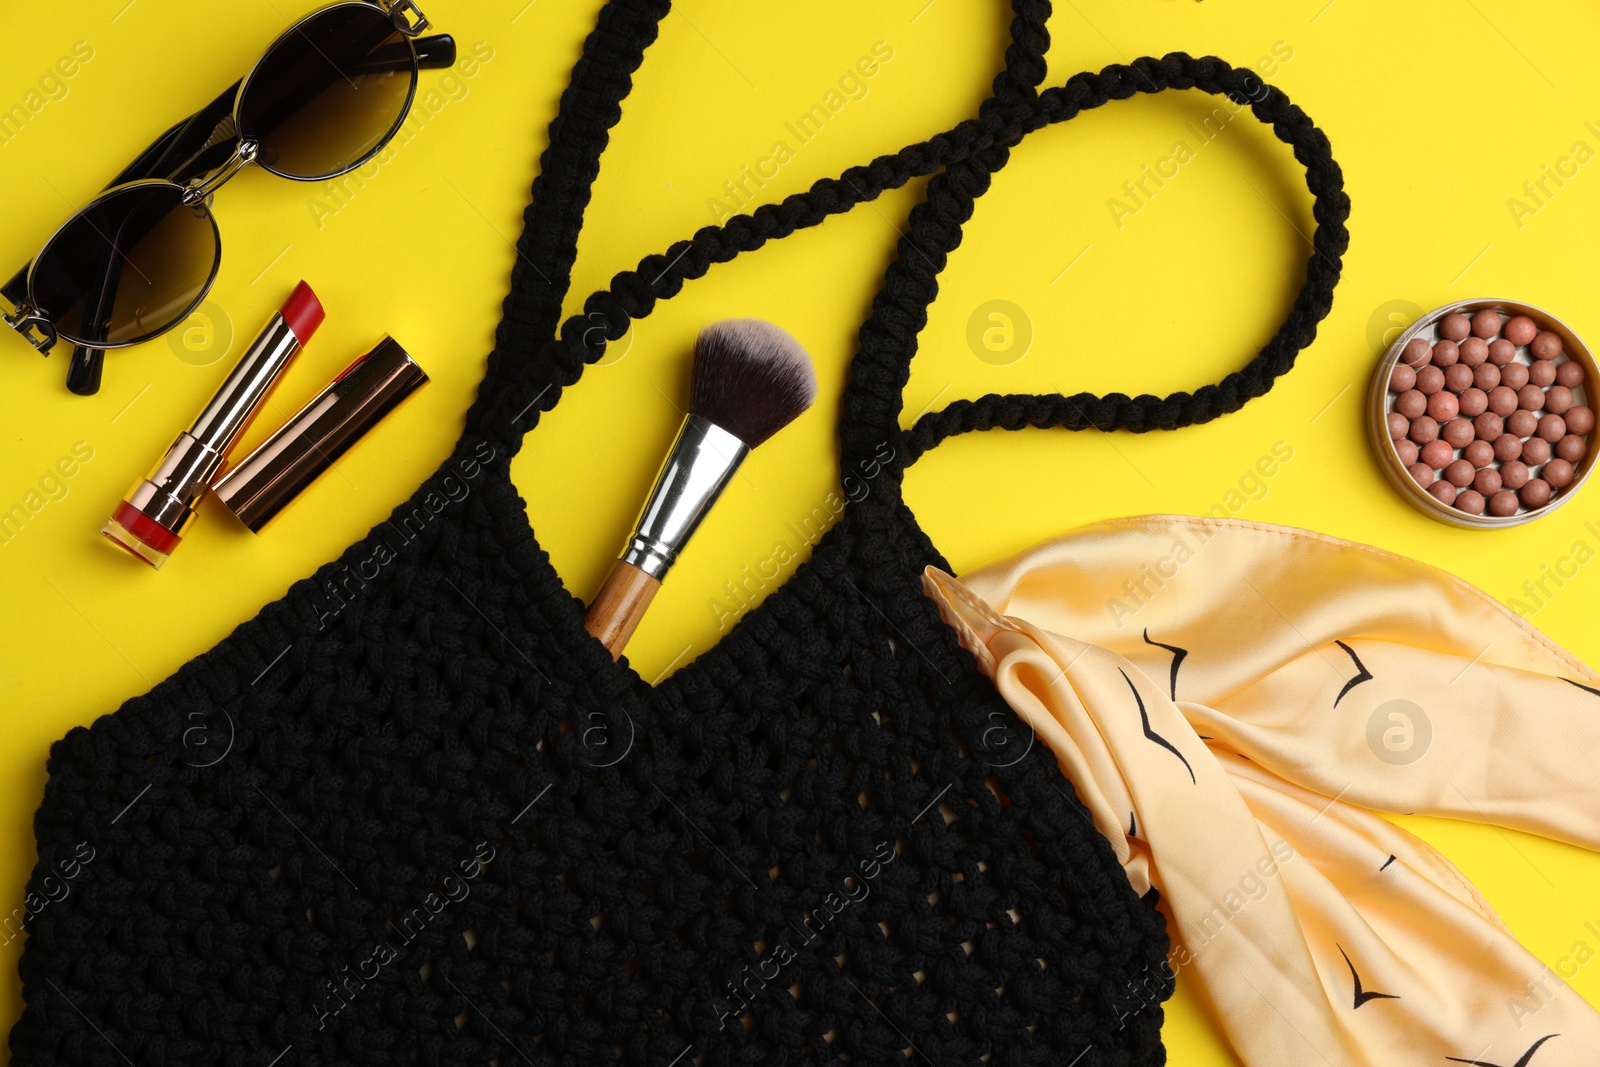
x,y
153,517
260,485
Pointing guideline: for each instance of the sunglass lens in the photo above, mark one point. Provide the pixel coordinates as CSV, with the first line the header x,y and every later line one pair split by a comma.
x,y
129,266
329,92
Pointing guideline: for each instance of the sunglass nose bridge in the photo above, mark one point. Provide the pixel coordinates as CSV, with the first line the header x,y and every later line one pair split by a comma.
x,y
201,188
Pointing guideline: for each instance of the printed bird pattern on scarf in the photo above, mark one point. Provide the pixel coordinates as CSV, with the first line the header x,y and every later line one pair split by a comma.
x,y
1236,733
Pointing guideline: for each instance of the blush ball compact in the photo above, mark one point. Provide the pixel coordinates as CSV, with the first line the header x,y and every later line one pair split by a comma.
x,y
1482,413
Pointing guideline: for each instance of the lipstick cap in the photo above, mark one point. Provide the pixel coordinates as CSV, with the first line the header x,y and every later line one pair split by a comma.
x,y
263,482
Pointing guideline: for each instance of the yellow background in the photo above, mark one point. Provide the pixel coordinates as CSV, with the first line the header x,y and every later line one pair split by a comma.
x,y
1438,111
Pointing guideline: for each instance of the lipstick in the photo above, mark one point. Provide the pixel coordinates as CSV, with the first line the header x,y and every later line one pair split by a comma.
x,y
150,521
259,485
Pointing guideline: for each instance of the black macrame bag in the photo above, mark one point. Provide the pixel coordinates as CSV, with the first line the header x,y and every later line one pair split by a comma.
x,y
412,812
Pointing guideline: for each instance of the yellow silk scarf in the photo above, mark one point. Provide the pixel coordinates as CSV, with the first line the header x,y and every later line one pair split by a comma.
x,y
1233,702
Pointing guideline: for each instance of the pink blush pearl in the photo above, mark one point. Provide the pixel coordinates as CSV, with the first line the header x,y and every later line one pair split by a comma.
x,y
1486,324
1430,380
1444,406
1416,353
1514,375
1521,330
1411,403
1545,346
1558,400
1580,419
1501,351
1478,453
1507,447
1569,374
1402,378
1455,326
1421,474
1542,373
1503,503
1473,402
1406,450
1435,455
1470,501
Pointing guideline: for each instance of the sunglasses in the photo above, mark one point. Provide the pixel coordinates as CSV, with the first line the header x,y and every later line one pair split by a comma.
x,y
322,100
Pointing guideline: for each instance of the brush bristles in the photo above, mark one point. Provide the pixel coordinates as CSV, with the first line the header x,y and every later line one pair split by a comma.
x,y
750,378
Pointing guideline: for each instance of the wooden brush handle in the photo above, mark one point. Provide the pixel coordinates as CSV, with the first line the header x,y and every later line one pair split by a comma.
x,y
616,610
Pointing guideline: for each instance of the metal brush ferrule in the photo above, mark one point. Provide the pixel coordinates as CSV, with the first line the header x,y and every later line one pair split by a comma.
x,y
701,461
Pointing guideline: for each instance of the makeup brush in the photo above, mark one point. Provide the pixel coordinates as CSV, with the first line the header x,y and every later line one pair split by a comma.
x,y
750,380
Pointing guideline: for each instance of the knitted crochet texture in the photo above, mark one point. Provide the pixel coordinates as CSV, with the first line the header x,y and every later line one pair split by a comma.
x,y
411,812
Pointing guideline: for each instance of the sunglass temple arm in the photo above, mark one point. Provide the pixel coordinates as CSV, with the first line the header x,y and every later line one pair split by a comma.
x,y
435,52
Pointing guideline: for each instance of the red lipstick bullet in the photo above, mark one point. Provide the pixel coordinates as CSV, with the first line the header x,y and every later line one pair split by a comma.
x,y
151,519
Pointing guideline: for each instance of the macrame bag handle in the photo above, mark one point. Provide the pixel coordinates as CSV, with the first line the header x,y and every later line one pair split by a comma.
x,y
542,272
523,378
888,339
964,158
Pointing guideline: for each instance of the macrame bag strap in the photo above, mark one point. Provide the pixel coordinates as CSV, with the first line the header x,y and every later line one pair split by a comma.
x,y
578,135
1114,411
888,339
967,154
548,245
